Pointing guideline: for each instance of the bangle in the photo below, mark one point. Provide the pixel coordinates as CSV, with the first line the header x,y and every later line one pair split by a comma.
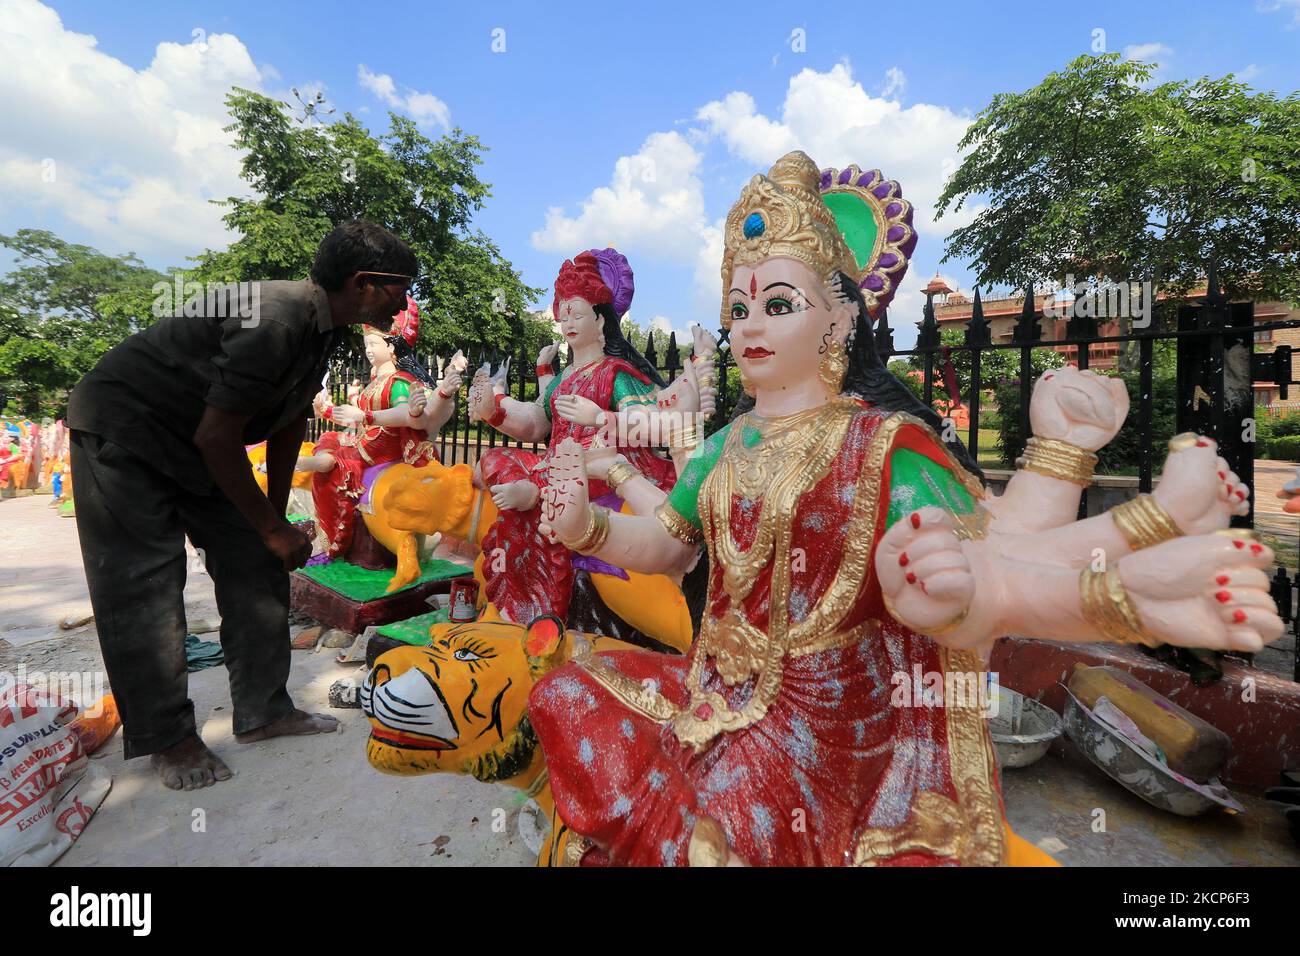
x,y
677,526
1143,522
370,417
328,413
597,530
687,437
444,394
544,370
1106,605
498,413
1058,459
620,473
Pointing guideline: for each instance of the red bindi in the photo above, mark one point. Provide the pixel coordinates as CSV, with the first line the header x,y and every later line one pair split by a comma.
x,y
753,287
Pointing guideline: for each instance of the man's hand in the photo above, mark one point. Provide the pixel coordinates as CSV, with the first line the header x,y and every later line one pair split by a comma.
x,y
290,545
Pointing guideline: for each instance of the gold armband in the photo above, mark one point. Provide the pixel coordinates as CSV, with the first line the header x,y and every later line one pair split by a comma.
x,y
676,525
597,530
619,473
1108,608
1058,459
684,436
1144,523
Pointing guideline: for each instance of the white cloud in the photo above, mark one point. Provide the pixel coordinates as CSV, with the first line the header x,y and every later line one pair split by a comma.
x,y
425,108
835,121
1272,6
1251,71
653,205
133,156
1148,52
895,82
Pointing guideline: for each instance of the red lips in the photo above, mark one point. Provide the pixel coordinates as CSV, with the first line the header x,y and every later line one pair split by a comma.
x,y
752,352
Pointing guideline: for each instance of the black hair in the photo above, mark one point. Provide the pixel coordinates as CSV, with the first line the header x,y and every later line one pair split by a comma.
x,y
406,361
360,247
619,347
868,378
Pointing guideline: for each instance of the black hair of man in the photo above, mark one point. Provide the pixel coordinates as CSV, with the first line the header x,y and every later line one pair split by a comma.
x,y
360,247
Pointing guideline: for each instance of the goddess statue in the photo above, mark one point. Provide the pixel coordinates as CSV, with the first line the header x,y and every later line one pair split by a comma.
x,y
848,545
395,416
609,401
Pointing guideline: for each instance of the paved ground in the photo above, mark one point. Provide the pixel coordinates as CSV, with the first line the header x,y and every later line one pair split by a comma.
x,y
316,801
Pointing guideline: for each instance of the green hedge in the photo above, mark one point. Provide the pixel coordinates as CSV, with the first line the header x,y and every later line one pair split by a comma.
x,y
1283,448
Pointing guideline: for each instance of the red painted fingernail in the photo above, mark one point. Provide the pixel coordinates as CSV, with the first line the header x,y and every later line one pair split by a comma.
x,y
916,520
1241,495
902,560
1222,475
1221,579
1239,616
1256,548
1202,444
1238,545
1223,597
911,578
1047,376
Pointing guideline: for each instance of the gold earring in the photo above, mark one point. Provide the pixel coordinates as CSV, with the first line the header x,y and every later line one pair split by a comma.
x,y
834,366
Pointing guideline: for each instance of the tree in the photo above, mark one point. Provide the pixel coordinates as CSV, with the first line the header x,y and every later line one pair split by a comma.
x,y
61,308
1097,173
308,180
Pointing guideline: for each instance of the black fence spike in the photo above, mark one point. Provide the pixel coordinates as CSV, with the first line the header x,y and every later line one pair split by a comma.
x,y
884,336
650,348
977,329
1027,328
928,337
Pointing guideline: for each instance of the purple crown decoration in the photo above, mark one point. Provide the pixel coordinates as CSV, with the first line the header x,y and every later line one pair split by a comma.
x,y
617,276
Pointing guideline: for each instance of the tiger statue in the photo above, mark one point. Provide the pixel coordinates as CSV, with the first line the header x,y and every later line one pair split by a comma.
x,y
460,705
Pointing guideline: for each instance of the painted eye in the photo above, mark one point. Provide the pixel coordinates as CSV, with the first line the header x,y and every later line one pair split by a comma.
x,y
739,310
779,306
465,654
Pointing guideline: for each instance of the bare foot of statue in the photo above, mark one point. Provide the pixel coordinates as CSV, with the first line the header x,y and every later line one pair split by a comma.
x,y
297,723
189,765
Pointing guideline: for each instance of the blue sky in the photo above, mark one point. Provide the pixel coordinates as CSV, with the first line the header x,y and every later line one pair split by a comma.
x,y
623,123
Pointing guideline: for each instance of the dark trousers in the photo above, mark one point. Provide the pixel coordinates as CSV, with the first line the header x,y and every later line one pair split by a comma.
x,y
132,521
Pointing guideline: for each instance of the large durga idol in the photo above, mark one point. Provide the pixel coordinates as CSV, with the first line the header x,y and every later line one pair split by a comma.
x,y
847,544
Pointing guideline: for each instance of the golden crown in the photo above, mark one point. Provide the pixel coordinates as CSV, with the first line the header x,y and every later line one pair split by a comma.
x,y
783,214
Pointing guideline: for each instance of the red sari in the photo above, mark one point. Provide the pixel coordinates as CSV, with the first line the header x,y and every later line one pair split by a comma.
x,y
789,736
525,574
335,492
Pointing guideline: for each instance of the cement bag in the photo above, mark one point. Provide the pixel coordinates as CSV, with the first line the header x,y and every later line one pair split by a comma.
x,y
48,790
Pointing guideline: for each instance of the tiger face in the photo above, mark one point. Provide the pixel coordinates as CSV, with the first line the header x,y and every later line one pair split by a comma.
x,y
459,704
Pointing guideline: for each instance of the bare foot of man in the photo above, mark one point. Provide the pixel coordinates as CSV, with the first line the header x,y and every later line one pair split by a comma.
x,y
295,724
189,765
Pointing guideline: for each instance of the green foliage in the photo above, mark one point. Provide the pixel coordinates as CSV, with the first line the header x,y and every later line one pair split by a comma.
x,y
61,308
1281,448
1097,172
308,180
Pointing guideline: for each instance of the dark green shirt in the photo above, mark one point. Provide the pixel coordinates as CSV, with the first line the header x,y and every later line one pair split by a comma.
x,y
149,392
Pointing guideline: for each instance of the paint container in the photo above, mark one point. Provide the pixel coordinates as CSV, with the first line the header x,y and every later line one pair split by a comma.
x,y
464,600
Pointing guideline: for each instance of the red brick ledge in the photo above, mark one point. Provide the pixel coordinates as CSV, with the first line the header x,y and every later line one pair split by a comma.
x,y
1265,732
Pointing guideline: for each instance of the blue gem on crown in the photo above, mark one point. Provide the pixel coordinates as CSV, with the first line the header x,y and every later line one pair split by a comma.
x,y
754,225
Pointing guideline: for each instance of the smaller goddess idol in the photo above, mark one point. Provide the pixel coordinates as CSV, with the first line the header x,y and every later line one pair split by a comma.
x,y
847,545
605,393
395,417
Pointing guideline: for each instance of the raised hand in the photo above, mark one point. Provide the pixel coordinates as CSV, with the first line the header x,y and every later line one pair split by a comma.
x,y
565,502
417,401
1081,408
924,576
579,410
704,344
547,354
1206,591
451,382
514,495
1197,487
481,396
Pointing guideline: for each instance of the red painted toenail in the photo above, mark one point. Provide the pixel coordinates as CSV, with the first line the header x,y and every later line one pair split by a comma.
x,y
1223,597
1239,616
1223,475
916,520
1221,579
902,560
911,578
